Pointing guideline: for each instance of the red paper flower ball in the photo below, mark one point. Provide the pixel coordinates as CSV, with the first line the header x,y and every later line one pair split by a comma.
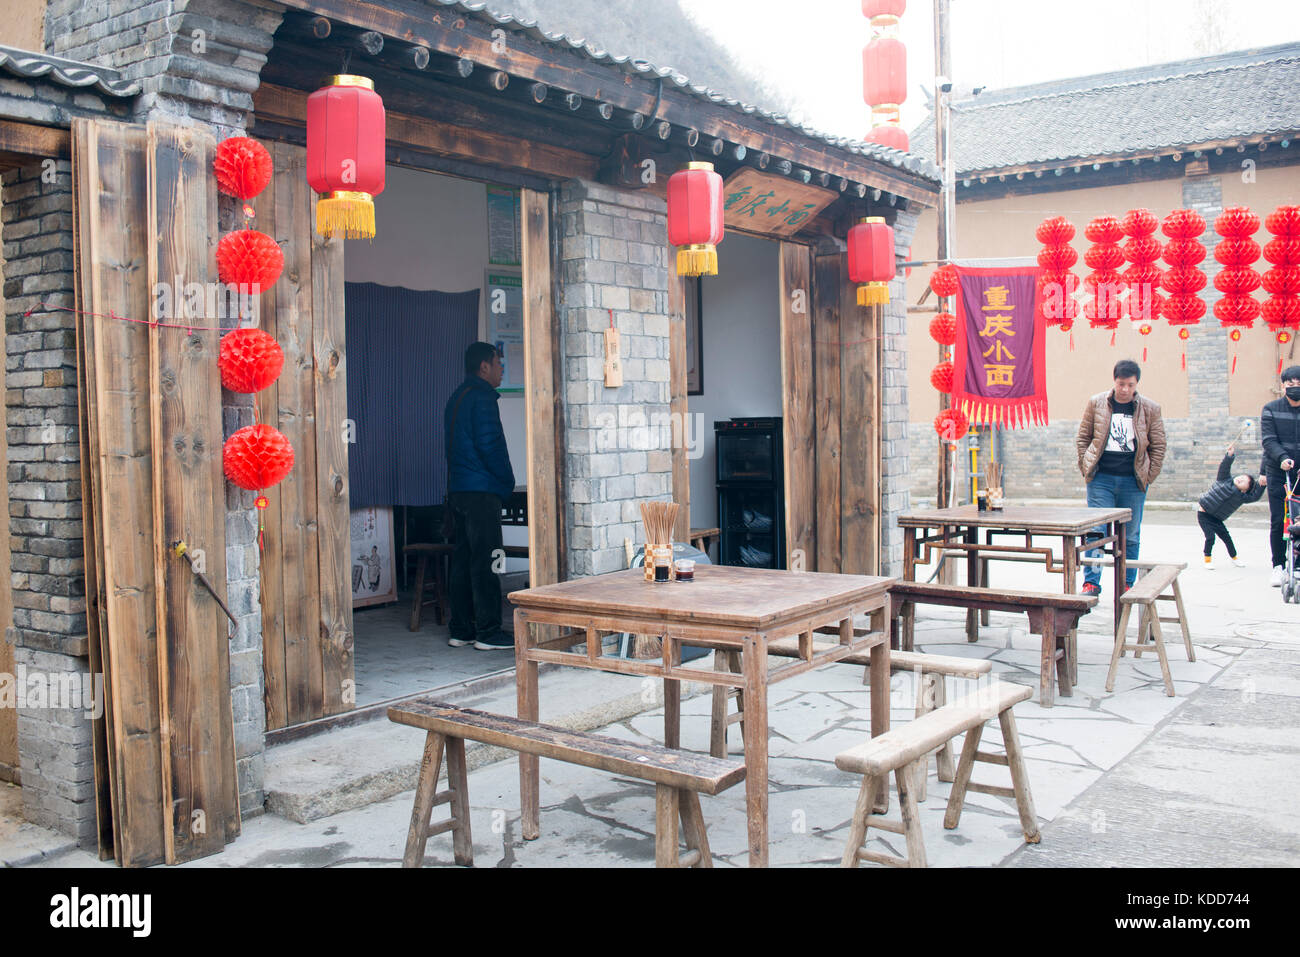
x,y
243,167
1284,221
1057,258
1101,277
1108,318
1104,229
943,329
1139,222
1282,280
1142,249
1236,252
1184,310
1282,312
1282,252
1183,279
1105,256
1184,252
1067,281
250,360
1183,224
1236,222
944,281
941,377
249,257
951,424
1054,231
257,457
1143,274
1236,280
1236,311
1144,305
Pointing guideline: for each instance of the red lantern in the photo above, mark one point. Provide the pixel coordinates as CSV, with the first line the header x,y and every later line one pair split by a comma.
x,y
884,72
1236,311
242,166
943,329
1104,229
1139,222
1282,252
346,140
941,376
944,282
951,424
1055,296
888,134
1184,309
1236,280
1282,280
1057,257
1284,221
1282,311
1236,222
257,457
877,9
1143,302
1142,249
1103,256
1183,224
871,260
247,257
1054,231
695,219
1183,279
1236,252
250,360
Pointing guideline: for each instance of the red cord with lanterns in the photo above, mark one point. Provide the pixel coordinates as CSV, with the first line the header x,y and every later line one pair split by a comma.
x,y
1282,282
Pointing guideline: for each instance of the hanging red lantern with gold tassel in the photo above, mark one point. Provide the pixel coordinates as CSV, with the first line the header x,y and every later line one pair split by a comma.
x,y
346,139
871,260
695,223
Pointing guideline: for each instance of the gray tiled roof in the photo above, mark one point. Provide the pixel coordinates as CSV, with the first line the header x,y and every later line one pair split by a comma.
x,y
1249,93
30,66
912,163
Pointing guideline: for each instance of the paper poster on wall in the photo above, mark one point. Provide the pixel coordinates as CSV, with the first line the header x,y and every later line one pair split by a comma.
x,y
503,226
373,581
504,295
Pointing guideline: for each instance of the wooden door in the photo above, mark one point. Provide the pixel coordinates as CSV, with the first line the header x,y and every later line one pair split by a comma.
x,y
798,420
307,632
151,435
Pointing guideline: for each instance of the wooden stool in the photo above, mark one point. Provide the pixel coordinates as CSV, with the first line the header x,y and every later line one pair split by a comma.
x,y
437,553
702,538
1145,592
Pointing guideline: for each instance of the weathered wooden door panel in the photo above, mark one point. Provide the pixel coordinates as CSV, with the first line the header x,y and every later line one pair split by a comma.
x,y
799,424
679,402
146,211
827,296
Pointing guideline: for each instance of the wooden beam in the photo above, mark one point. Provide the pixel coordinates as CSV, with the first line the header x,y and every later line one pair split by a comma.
x,y
539,390
24,142
533,59
678,403
799,417
828,282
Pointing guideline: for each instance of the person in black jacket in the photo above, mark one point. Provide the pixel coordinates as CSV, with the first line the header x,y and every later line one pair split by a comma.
x,y
1225,496
1279,429
479,479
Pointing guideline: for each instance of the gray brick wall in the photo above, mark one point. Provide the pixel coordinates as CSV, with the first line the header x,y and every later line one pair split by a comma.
x,y
613,257
896,473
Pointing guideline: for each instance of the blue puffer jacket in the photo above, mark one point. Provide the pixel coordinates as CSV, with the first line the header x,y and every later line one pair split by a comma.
x,y
477,458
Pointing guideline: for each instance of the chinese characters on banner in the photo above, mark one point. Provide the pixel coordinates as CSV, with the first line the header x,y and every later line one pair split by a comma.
x,y
1000,361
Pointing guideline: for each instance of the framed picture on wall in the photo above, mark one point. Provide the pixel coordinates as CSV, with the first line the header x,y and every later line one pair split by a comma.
x,y
373,581
694,336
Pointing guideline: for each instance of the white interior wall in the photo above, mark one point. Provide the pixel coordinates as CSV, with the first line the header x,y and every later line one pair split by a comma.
x,y
741,354
433,234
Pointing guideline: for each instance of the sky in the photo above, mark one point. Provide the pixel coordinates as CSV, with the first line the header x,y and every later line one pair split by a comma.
x,y
812,48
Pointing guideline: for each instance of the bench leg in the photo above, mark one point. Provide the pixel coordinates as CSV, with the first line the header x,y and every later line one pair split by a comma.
x,y
858,826
697,838
957,798
1121,638
943,758
425,789
421,566
907,626
927,699
667,813
1047,660
1063,684
1159,640
1019,779
911,816
984,582
462,840
1182,621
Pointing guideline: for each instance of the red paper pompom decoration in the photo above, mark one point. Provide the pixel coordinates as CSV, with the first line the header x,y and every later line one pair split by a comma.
x,y
1144,303
1184,252
951,424
1104,229
1142,249
1103,315
1184,310
250,360
1236,311
1144,274
944,282
257,457
1236,222
1183,279
1102,277
1282,312
1057,258
1236,252
249,257
943,329
1283,252
243,167
941,376
1139,222
1183,224
1054,231
1284,221
1068,282
1236,280
1103,256
1282,280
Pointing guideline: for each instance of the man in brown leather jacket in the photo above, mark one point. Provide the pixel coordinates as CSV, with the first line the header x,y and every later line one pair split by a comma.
x,y
1121,445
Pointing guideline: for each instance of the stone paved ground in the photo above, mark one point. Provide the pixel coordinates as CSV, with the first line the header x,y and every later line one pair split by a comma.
x,y
1130,778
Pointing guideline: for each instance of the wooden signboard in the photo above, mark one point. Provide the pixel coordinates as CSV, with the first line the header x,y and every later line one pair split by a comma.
x,y
760,203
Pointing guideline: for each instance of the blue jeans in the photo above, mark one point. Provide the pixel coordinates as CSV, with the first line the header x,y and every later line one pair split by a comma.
x,y
1117,491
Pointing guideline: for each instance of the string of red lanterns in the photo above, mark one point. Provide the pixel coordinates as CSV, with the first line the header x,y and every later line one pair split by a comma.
x,y
1282,282
884,73
1058,283
1102,257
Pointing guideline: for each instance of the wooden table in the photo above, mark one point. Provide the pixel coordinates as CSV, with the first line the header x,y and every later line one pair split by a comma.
x,y
1072,525
726,609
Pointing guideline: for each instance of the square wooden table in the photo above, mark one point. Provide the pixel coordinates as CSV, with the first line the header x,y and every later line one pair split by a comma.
x,y
725,608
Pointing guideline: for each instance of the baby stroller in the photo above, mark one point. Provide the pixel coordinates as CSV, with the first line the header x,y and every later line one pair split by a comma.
x,y
1291,539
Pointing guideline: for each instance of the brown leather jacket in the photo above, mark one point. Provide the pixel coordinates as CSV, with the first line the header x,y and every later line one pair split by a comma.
x,y
1149,435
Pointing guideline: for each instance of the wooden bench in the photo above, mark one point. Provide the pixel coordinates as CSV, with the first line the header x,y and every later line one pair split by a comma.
x,y
1051,616
1145,592
438,554
931,670
901,750
679,777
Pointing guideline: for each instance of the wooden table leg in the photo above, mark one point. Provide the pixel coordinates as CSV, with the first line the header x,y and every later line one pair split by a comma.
x,y
1070,556
527,710
420,568
984,575
1121,563
972,537
754,664
907,615
879,670
672,697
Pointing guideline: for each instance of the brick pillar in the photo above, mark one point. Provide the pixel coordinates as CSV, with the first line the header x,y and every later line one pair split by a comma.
x,y
896,480
618,441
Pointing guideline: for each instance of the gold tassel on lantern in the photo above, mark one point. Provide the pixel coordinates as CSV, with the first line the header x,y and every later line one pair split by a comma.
x,y
346,213
873,294
700,259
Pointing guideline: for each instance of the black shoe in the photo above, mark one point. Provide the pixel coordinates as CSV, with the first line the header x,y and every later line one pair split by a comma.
x,y
501,641
460,642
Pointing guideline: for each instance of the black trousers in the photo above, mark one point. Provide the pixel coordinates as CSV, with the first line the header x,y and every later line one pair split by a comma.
x,y
1276,494
1212,526
475,590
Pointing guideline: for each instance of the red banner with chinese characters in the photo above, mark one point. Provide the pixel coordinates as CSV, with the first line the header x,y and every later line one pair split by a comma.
x,y
1000,361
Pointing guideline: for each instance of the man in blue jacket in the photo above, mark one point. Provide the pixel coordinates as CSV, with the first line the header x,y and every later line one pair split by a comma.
x,y
479,480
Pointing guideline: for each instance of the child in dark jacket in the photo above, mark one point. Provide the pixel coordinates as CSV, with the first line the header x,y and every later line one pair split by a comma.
x,y
1225,496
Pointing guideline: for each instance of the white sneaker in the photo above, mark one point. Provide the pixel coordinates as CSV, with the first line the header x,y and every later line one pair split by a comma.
x,y
1209,563
1238,562
1279,576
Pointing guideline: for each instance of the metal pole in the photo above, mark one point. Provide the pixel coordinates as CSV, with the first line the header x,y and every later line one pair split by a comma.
x,y
947,206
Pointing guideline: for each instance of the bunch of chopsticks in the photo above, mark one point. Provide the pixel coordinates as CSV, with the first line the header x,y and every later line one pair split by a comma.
x,y
658,519
992,475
